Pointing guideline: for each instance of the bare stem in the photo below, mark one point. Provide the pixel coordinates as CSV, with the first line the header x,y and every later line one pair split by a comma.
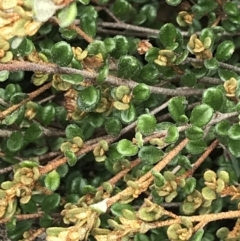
x,y
51,68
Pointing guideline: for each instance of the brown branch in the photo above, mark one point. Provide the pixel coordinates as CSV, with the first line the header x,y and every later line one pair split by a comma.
x,y
32,95
51,68
200,160
81,33
23,217
146,179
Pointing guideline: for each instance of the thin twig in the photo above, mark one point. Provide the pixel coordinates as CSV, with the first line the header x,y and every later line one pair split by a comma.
x,y
51,68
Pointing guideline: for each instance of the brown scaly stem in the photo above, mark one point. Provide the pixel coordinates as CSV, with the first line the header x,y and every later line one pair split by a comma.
x,y
34,234
32,95
147,178
200,160
23,217
51,68
81,33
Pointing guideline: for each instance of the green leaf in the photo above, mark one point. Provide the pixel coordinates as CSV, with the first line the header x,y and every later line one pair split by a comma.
x,y
194,133
67,15
172,134
61,53
84,2
190,185
211,64
159,179
18,97
141,237
189,80
26,47
113,126
72,78
117,208
97,47
128,67
233,147
4,74
73,130
196,147
234,132
15,141
127,148
152,54
129,115
110,44
121,48
222,127
146,124
71,158
176,107
208,194
201,115
173,2
47,114
88,24
214,98
225,74
167,35
63,170
67,33
122,9
46,221
231,8
88,98
33,132
198,235
149,73
150,155
50,202
103,73
141,92
52,180
225,50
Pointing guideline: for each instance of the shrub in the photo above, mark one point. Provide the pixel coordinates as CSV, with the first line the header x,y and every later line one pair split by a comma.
x,y
120,120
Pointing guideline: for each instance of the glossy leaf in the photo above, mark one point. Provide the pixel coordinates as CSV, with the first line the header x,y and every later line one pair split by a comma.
x,y
172,134
47,114
88,98
211,64
72,78
71,158
146,124
73,130
52,180
231,8
127,148
88,24
176,107
173,2
168,34
233,146
196,146
67,15
129,115
113,126
33,132
201,115
121,47
141,92
234,132
62,54
225,50
189,80
150,155
50,202
4,74
117,208
128,66
194,133
225,74
214,98
222,127
15,141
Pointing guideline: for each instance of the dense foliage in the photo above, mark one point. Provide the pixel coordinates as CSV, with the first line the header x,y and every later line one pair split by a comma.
x,y
120,120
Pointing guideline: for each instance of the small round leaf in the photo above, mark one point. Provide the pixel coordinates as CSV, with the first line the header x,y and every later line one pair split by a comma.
x,y
52,180
146,124
127,148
